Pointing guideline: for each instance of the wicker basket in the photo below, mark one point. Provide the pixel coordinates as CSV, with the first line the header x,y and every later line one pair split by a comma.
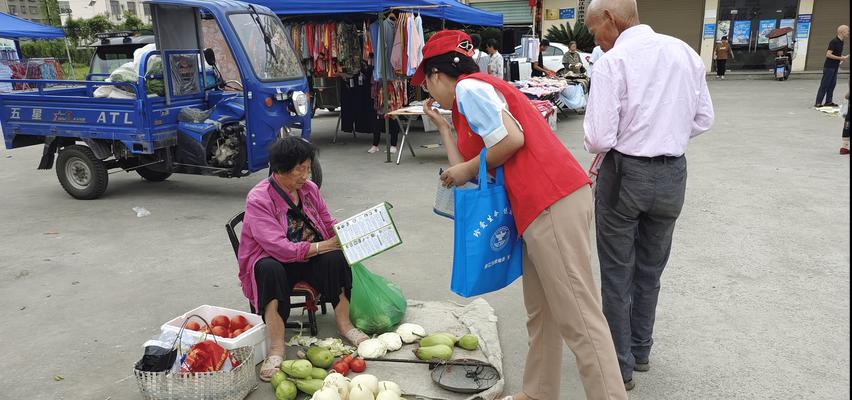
x,y
231,385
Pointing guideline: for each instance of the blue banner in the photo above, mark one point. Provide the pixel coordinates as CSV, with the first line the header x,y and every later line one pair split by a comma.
x,y
803,26
566,13
709,31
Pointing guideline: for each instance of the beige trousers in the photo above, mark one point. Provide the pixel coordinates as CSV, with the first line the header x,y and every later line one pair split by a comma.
x,y
563,303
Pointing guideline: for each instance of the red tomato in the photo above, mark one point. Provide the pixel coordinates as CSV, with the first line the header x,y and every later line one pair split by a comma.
x,y
358,365
236,333
239,322
221,320
249,326
221,331
347,359
341,368
193,326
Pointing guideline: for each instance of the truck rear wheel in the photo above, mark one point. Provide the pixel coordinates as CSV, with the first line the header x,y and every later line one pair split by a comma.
x,y
81,174
152,176
316,172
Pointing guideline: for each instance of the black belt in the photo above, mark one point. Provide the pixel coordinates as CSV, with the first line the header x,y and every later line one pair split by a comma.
x,y
656,159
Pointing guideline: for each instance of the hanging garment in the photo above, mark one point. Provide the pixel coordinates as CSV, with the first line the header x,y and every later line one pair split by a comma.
x,y
356,106
415,45
397,50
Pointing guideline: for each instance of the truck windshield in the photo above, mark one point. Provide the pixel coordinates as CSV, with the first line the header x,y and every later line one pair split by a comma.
x,y
274,62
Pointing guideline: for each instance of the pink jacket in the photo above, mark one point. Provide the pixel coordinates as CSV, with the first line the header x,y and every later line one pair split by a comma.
x,y
264,231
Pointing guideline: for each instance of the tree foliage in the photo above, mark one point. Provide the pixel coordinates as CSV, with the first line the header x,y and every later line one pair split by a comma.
x,y
565,34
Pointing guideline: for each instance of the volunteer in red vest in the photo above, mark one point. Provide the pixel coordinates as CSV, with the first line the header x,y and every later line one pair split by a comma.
x,y
552,203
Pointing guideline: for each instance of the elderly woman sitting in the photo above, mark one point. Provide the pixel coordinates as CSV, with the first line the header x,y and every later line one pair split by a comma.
x,y
288,237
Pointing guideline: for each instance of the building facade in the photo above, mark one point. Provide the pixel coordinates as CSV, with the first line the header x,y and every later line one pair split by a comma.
x,y
701,23
32,10
112,9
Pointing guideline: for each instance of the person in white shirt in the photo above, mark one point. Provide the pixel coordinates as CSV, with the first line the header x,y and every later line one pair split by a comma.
x,y
597,52
648,99
479,57
495,60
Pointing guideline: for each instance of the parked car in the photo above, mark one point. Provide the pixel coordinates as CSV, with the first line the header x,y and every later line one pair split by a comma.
x,y
553,56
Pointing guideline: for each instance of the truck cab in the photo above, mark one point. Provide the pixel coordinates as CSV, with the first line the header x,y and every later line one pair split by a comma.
x,y
214,86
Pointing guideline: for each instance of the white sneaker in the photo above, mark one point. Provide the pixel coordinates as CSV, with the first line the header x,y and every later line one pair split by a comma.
x,y
393,149
723,77
374,149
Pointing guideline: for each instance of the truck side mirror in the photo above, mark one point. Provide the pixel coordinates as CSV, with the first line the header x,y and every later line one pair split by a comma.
x,y
210,57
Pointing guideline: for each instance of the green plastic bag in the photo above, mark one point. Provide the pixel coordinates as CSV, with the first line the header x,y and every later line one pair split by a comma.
x,y
377,305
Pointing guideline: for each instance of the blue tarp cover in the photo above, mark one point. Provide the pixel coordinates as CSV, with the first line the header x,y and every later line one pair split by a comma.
x,y
12,27
450,10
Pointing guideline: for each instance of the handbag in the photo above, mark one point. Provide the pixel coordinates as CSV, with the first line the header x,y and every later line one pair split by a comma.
x,y
487,253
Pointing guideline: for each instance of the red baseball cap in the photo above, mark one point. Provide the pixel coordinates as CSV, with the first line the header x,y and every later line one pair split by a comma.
x,y
441,43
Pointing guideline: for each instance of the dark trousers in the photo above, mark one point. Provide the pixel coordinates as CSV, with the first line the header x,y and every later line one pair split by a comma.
x,y
720,67
846,123
328,273
379,127
635,220
826,86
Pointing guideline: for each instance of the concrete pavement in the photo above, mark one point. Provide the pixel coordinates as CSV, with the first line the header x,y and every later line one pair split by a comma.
x,y
754,304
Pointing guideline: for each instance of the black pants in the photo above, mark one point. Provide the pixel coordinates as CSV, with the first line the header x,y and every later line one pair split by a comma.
x,y
720,67
826,86
328,273
637,203
846,123
379,127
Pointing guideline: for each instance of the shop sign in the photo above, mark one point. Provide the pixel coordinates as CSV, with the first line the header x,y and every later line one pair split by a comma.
x,y
803,26
709,31
566,13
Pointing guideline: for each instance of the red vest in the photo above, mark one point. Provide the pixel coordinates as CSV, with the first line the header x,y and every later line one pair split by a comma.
x,y
542,171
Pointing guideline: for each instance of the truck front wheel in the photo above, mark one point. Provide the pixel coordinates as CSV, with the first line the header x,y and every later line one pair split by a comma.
x,y
81,174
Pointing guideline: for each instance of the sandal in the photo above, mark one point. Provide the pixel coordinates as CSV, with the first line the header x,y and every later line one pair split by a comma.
x,y
269,367
355,336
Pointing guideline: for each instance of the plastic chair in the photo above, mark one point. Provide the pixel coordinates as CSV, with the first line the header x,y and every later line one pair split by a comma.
x,y
302,289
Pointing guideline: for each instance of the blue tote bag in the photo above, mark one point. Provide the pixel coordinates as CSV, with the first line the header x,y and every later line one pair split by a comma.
x,y
487,250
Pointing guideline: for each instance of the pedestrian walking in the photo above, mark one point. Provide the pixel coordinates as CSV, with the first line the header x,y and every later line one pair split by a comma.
x,y
721,53
844,146
552,204
833,57
649,98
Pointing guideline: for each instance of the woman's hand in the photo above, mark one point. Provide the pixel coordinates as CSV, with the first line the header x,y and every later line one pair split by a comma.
x,y
327,246
458,175
433,114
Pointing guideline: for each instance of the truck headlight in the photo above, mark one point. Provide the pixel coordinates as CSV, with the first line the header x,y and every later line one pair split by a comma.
x,y
300,102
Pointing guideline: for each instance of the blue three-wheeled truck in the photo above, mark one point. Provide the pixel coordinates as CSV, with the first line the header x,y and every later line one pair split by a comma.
x,y
176,113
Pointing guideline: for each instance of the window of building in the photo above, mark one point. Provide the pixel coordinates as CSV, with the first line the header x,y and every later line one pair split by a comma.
x,y
131,7
34,10
746,22
64,7
115,8
146,8
13,10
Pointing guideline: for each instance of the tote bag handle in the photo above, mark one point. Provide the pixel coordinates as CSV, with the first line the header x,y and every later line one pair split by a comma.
x,y
483,171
